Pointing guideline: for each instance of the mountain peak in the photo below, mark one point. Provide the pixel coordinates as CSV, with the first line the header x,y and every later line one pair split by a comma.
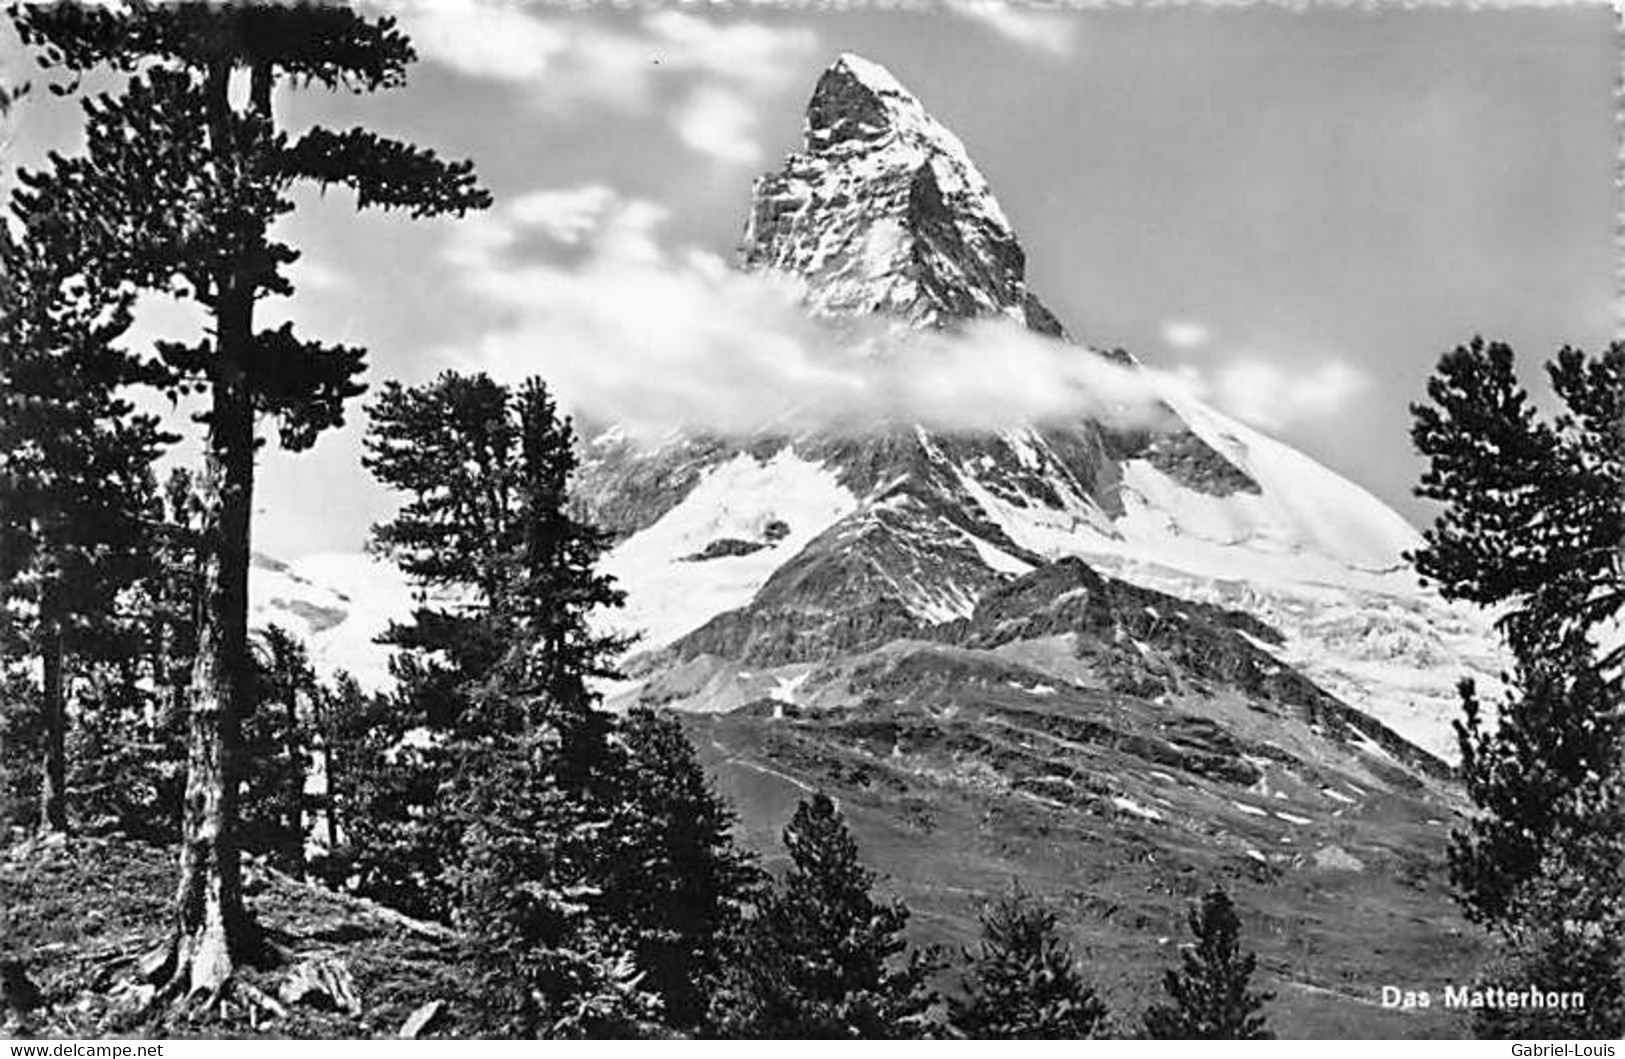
x,y
883,211
857,99
869,72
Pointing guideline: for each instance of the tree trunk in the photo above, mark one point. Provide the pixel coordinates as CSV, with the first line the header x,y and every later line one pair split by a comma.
x,y
213,931
331,794
53,792
212,924
295,852
321,710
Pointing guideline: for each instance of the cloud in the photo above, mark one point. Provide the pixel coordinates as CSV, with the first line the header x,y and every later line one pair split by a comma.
x,y
655,338
1045,31
1270,396
718,123
483,39
312,275
565,216
706,75
1185,334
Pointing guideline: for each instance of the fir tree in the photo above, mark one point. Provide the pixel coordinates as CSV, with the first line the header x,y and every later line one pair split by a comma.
x,y
343,714
486,471
1022,981
127,759
1211,997
822,958
126,752
1534,778
181,184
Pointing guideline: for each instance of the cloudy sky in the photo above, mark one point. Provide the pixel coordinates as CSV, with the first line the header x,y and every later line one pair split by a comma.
x,y
1296,212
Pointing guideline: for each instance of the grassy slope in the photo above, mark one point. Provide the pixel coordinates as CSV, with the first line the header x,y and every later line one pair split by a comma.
x,y
953,802
82,913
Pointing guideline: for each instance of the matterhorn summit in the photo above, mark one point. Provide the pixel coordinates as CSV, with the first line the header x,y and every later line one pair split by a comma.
x,y
883,211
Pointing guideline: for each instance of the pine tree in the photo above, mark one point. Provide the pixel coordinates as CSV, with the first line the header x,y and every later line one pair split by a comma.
x,y
126,756
75,462
344,713
487,524
1542,861
1534,778
527,882
673,874
276,742
132,716
181,184
487,473
1022,981
494,689
1569,933
1211,995
1533,519
822,958
1533,523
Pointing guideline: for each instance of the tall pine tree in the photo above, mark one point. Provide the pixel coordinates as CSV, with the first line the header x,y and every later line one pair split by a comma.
x,y
180,182
277,737
673,873
507,579
1533,523
75,461
616,850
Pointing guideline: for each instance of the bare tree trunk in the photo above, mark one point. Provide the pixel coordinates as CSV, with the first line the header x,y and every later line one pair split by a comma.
x,y
321,710
295,853
53,791
212,923
332,807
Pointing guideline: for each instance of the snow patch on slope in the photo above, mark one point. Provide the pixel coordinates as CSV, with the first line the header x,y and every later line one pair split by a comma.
x,y
667,597
338,603
1305,506
1312,554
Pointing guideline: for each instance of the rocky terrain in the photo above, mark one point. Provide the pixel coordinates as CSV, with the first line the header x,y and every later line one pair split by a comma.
x,y
86,914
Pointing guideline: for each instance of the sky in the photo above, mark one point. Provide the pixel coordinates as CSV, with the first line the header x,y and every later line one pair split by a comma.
x,y
1293,211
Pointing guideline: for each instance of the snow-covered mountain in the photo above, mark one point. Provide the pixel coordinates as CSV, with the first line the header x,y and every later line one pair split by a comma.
x,y
749,561
1117,659
891,532
885,212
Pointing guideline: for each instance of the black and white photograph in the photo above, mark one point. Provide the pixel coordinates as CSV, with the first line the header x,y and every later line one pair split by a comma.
x,y
935,520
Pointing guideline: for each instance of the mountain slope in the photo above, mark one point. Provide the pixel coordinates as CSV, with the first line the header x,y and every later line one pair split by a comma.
x,y
883,215
1116,658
